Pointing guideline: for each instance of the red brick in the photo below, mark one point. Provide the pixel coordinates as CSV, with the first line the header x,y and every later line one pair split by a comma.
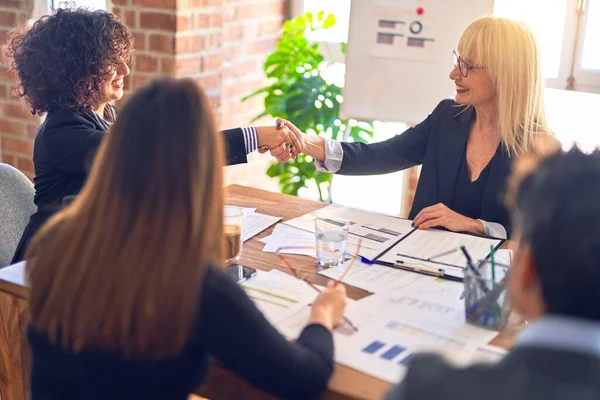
x,y
16,111
183,23
234,51
261,46
158,21
167,66
156,3
131,20
146,63
17,145
211,62
25,164
209,82
205,20
120,2
270,27
10,3
251,30
127,83
188,66
233,33
245,68
162,43
212,41
8,159
193,3
139,41
189,44
32,130
251,11
140,80
215,101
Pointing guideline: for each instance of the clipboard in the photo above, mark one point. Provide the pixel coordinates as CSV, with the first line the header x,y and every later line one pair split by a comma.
x,y
437,268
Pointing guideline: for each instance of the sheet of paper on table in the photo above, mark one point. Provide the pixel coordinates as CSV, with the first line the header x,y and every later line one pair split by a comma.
x,y
254,222
277,294
378,232
374,278
14,273
385,350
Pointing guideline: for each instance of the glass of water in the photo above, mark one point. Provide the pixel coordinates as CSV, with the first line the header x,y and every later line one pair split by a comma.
x,y
331,239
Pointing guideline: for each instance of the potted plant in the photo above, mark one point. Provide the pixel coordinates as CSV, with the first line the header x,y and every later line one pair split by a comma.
x,y
300,91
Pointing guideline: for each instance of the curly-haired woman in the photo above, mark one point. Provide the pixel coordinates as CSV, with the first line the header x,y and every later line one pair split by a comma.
x,y
70,66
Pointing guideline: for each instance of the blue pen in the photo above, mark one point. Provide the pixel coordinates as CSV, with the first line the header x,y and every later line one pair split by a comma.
x,y
365,260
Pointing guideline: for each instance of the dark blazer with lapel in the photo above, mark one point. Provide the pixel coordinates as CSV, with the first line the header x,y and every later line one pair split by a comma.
x,y
63,151
438,144
526,373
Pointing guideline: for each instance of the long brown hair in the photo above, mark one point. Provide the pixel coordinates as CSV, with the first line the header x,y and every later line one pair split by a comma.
x,y
120,268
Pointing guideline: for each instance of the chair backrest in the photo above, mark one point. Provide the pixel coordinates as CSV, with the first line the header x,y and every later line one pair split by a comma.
x,y
16,206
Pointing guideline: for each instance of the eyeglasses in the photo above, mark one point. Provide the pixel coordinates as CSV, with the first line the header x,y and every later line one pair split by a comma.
x,y
463,66
294,271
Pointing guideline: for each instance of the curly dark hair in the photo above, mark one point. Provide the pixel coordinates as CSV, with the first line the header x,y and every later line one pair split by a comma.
x,y
63,59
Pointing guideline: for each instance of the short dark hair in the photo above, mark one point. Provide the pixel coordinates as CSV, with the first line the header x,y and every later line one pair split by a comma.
x,y
62,60
557,212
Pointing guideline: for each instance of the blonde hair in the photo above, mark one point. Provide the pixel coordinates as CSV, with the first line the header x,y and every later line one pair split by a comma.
x,y
120,269
509,52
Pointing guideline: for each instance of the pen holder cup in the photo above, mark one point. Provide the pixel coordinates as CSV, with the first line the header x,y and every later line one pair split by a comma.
x,y
486,301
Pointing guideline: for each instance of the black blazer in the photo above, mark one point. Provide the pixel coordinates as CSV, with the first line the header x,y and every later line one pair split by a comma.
x,y
63,151
438,144
526,373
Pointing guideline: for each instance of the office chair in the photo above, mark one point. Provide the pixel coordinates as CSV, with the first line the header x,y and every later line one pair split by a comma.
x,y
16,206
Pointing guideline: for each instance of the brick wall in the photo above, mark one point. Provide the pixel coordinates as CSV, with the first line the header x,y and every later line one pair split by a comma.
x,y
220,43
17,125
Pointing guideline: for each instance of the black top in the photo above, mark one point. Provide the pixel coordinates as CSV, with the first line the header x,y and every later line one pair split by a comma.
x,y
468,195
229,327
438,144
64,147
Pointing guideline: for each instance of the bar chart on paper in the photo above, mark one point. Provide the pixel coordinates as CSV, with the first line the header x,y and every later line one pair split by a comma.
x,y
385,352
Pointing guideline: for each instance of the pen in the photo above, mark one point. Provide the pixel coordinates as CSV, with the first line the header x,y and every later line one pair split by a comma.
x,y
493,264
364,260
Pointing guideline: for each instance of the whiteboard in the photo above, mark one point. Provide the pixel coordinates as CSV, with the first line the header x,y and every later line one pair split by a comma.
x,y
399,56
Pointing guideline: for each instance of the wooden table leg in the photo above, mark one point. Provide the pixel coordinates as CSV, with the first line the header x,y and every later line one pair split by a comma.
x,y
14,350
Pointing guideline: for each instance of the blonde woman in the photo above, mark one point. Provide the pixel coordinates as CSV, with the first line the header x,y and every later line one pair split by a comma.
x,y
465,145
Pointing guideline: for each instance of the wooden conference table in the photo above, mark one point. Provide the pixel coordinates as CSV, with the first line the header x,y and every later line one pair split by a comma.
x,y
221,384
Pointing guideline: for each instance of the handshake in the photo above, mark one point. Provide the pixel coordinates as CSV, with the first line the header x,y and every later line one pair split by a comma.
x,y
284,141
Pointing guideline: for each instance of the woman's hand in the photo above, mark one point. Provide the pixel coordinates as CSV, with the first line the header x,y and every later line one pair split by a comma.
x,y
280,140
328,308
441,215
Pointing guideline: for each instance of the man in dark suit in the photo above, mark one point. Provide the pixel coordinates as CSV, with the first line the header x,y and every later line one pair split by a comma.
x,y
554,282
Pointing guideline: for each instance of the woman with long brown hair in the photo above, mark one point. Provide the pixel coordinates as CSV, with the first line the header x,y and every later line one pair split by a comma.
x,y
127,297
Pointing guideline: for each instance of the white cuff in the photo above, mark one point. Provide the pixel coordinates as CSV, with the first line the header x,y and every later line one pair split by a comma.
x,y
334,154
493,229
250,139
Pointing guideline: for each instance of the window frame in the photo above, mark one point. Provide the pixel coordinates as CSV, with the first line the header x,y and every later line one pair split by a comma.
x,y
584,80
